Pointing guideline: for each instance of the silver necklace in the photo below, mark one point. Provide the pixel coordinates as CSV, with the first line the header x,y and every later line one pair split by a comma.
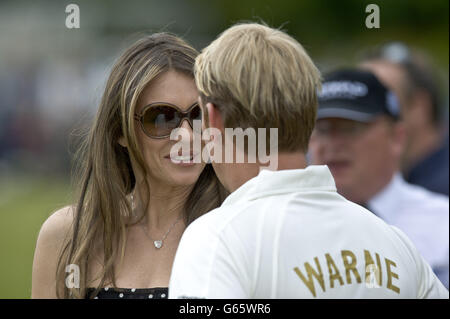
x,y
157,243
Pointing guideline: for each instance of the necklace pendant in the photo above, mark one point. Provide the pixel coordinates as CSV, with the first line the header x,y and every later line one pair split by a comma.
x,y
157,243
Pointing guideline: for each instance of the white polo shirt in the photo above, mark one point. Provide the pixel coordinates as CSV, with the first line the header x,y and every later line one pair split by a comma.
x,y
289,234
422,215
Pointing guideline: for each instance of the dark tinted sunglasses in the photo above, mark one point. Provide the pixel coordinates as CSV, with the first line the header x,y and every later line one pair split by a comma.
x,y
160,118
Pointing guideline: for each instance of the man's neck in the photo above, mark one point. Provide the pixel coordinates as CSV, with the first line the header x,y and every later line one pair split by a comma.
x,y
293,160
244,172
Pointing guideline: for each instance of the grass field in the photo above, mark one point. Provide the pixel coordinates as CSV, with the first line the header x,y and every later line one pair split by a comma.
x,y
25,203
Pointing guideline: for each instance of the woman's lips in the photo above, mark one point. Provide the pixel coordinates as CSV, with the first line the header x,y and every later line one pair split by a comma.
x,y
187,160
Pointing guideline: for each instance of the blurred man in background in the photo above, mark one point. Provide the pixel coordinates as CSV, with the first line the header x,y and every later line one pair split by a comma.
x,y
359,136
411,77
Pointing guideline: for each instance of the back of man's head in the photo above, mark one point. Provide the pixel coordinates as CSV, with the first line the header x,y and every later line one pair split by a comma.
x,y
419,75
260,77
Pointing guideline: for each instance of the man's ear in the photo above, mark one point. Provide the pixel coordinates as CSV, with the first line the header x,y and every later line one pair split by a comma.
x,y
399,138
122,141
214,117
422,106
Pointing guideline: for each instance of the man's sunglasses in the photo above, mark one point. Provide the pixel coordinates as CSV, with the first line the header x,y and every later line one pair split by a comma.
x,y
160,118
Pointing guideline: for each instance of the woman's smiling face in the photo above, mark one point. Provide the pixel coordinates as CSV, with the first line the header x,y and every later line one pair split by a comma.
x,y
178,89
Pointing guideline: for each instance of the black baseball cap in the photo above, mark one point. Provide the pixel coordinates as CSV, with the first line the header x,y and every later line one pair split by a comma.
x,y
355,95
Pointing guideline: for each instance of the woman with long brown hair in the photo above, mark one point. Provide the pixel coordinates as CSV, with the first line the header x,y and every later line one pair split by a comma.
x,y
134,200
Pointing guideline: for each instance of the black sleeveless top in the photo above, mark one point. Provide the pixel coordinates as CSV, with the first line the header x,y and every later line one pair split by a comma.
x,y
128,293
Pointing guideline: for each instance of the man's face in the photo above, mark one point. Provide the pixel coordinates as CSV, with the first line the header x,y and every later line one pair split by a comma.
x,y
228,170
217,142
361,156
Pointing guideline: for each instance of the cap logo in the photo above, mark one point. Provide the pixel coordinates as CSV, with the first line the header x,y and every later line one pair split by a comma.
x,y
343,89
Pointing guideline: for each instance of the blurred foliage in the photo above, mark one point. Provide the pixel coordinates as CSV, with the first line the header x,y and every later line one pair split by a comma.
x,y
25,203
337,28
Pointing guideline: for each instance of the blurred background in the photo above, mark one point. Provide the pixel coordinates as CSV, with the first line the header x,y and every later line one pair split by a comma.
x,y
52,77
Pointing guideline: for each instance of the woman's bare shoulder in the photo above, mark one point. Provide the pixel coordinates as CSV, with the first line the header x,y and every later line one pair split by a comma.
x,y
58,224
50,241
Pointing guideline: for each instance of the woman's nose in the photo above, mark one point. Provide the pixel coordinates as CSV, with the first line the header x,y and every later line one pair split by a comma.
x,y
186,125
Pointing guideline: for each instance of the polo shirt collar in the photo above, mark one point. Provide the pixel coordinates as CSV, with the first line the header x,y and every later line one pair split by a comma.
x,y
267,183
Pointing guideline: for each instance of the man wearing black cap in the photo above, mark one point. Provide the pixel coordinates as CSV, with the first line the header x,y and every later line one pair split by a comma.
x,y
359,136
411,75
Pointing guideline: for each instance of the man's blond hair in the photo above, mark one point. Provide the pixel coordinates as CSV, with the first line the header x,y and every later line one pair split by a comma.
x,y
261,77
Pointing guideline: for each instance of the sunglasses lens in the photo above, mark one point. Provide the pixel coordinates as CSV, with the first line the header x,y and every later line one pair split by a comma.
x,y
196,113
160,120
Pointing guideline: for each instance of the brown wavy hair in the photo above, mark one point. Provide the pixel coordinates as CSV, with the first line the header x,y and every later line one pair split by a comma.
x,y
104,174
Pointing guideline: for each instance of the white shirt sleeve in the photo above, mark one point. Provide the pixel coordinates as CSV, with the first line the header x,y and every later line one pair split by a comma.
x,y
429,285
205,266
